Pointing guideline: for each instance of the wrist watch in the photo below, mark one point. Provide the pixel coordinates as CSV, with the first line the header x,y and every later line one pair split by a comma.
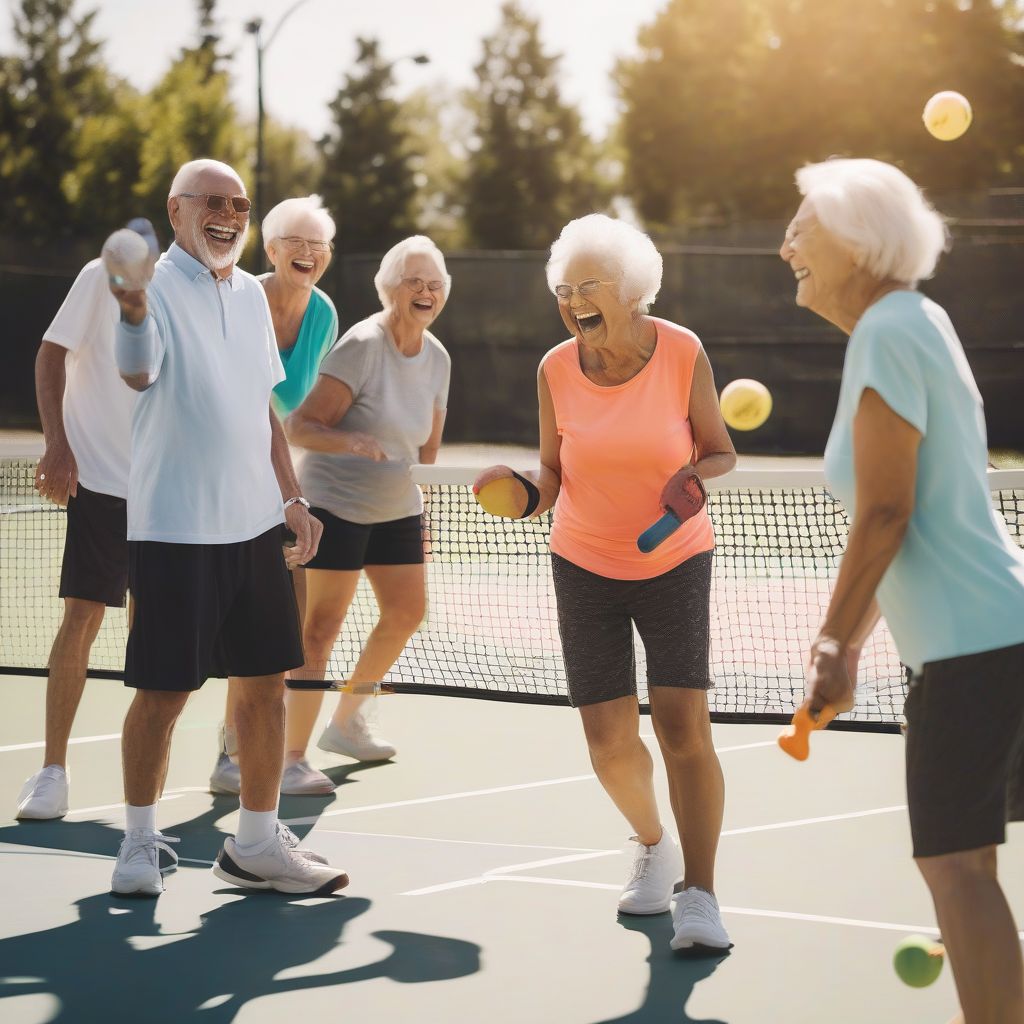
x,y
297,500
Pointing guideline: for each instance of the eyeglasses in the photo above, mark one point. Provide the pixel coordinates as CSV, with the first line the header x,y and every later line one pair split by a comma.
x,y
585,288
417,284
238,204
316,245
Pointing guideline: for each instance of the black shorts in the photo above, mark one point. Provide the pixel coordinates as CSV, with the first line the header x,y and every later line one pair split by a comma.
x,y
595,621
965,751
206,610
95,565
350,546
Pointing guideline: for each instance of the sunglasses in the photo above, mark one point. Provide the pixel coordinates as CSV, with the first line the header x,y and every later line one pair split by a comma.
x,y
217,204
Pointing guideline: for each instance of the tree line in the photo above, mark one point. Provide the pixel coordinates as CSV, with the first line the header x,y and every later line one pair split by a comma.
x,y
720,101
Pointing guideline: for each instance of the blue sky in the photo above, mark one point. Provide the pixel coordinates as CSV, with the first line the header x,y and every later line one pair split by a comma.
x,y
304,66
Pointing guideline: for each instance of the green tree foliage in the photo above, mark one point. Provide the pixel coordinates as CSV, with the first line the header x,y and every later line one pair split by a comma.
x,y
291,162
728,97
367,173
188,115
530,167
49,90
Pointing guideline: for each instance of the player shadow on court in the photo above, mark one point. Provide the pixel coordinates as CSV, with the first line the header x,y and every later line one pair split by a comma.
x,y
243,949
673,976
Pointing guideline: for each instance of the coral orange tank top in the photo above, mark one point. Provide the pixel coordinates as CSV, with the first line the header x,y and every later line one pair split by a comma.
x,y
619,446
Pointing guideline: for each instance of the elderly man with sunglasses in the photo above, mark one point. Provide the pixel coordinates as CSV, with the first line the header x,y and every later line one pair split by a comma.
x,y
210,485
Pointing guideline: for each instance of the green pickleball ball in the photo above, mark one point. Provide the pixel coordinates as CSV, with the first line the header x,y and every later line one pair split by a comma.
x,y
918,960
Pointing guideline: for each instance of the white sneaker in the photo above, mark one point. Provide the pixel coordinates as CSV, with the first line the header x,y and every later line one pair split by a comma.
x,y
291,840
226,778
697,922
44,795
300,778
656,869
276,865
358,738
138,871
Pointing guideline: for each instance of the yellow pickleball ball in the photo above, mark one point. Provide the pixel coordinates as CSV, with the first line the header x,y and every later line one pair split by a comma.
x,y
745,403
505,497
947,115
918,960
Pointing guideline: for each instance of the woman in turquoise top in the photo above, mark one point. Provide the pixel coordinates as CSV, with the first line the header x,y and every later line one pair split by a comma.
x,y
907,457
297,237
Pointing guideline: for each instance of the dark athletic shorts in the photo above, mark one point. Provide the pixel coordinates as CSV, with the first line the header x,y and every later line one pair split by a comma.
x,y
95,565
206,610
350,546
595,620
965,751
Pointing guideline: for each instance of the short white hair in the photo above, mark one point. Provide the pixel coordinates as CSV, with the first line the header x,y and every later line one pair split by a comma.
x,y
187,173
278,222
895,233
625,251
392,266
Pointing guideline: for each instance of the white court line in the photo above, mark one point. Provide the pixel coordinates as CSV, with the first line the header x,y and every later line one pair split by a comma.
x,y
313,819
500,872
40,744
171,794
813,821
459,842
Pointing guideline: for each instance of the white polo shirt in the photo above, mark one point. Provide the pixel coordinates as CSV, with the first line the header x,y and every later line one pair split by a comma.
x,y
97,403
201,470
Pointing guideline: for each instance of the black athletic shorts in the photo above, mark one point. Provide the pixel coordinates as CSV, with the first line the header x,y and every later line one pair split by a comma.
x,y
595,621
350,546
206,610
95,565
965,751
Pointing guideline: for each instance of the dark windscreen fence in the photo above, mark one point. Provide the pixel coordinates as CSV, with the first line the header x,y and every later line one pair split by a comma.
x,y
490,629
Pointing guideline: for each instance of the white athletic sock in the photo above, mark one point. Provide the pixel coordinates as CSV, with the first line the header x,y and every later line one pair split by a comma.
x,y
255,827
140,817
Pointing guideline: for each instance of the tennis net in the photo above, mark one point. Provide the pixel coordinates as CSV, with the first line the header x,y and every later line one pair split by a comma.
x,y
490,629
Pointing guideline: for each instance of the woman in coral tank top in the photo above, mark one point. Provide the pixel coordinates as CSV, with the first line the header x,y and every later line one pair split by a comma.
x,y
628,410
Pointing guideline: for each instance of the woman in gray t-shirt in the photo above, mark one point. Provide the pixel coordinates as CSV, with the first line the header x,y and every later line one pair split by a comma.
x,y
378,407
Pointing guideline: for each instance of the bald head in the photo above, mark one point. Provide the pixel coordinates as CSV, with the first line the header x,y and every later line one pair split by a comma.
x,y
203,175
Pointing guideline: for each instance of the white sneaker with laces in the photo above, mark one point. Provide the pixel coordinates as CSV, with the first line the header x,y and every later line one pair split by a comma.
x,y
698,922
656,869
300,778
291,840
358,738
44,796
276,865
137,871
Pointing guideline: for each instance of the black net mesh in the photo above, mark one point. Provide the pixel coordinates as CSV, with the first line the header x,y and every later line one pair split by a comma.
x,y
490,626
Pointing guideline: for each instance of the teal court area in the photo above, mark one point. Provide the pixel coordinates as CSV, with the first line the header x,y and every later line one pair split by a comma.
x,y
485,862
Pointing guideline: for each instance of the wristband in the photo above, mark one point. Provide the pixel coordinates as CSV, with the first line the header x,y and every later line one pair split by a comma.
x,y
297,500
532,495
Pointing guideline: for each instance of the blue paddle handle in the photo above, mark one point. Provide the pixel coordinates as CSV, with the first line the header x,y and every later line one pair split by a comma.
x,y
657,532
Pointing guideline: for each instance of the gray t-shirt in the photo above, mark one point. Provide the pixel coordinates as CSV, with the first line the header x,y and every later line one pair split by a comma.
x,y
394,398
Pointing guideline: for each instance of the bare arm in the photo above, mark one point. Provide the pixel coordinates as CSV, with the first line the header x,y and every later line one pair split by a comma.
x,y
547,479
885,450
428,452
313,424
716,454
57,472
307,528
281,460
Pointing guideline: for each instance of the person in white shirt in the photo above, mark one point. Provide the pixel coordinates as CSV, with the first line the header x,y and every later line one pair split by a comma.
x,y
85,410
210,485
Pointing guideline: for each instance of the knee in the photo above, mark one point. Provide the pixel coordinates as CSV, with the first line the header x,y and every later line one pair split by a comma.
x,y
259,696
684,739
82,618
609,745
949,872
320,632
403,618
160,705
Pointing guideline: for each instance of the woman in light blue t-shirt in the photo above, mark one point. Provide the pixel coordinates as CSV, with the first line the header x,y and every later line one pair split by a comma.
x,y
907,457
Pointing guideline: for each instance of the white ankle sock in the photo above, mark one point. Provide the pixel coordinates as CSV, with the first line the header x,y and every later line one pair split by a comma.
x,y
140,817
255,827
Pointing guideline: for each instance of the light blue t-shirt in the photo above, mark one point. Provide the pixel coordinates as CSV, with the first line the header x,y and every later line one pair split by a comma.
x,y
956,585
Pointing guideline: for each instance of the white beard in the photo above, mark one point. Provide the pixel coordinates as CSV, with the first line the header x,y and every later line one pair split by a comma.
x,y
219,261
